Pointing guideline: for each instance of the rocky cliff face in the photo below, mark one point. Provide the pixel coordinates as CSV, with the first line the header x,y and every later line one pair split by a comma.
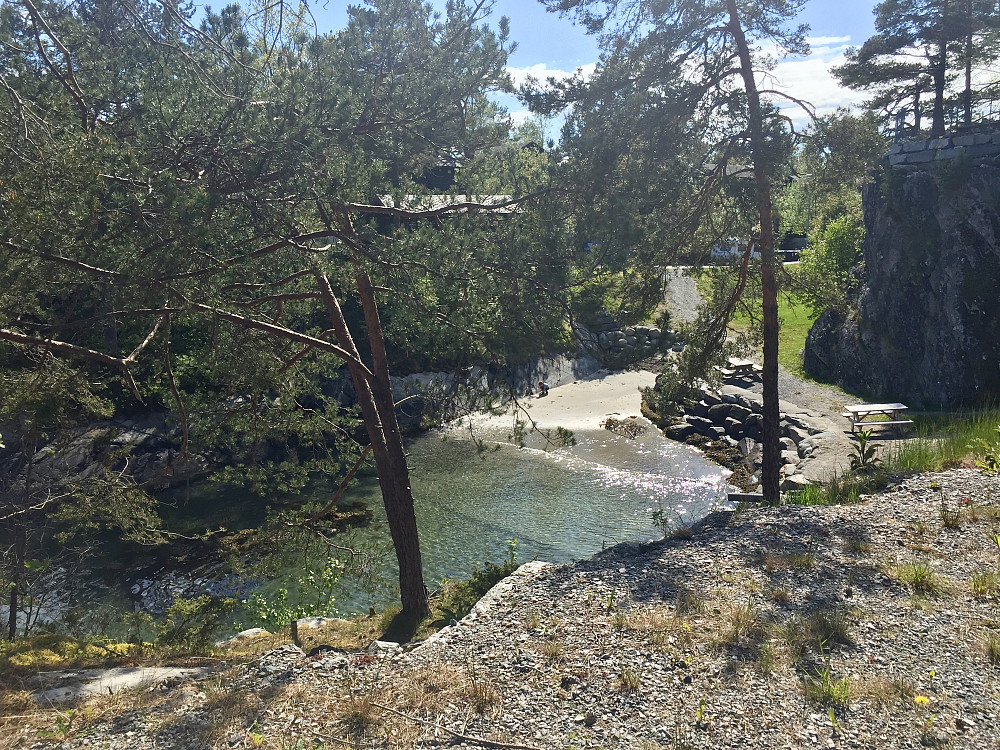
x,y
925,327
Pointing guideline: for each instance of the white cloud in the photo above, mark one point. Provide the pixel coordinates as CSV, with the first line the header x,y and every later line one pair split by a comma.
x,y
519,117
826,41
809,79
542,73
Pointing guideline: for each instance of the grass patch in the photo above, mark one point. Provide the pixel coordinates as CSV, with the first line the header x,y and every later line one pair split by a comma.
x,y
985,584
552,651
779,594
993,649
943,441
919,577
821,629
886,692
938,442
799,561
844,489
827,690
796,320
629,680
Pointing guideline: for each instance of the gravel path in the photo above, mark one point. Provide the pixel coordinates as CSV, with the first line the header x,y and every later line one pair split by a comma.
x,y
863,626
682,296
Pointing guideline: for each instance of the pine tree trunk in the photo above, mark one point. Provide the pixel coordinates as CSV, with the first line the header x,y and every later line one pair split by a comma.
x,y
939,73
374,396
402,517
769,289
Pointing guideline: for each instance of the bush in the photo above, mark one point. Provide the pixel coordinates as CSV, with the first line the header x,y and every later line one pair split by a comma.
x,y
191,624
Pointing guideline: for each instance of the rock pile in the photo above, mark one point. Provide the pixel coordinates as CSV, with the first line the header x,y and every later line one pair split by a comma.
x,y
616,345
735,415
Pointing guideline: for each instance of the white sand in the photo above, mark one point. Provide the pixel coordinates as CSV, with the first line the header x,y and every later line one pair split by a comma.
x,y
581,405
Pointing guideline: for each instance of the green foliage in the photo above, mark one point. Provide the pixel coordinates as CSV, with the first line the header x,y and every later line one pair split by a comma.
x,y
985,584
182,205
312,594
191,625
821,280
919,46
988,455
459,597
66,724
920,577
864,457
823,688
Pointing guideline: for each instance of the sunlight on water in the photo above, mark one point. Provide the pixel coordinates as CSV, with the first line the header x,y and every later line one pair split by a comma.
x,y
560,505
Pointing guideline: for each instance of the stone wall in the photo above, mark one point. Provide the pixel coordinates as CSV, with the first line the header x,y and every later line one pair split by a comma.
x,y
922,152
924,327
617,345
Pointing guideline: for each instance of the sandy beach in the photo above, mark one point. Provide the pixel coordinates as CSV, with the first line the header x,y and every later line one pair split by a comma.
x,y
581,405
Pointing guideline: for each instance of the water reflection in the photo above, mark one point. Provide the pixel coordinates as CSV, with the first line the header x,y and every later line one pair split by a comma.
x,y
560,504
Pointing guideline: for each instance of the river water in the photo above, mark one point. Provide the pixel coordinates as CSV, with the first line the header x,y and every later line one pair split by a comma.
x,y
560,504
472,500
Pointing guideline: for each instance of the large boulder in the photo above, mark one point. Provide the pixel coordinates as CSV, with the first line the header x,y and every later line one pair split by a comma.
x,y
925,325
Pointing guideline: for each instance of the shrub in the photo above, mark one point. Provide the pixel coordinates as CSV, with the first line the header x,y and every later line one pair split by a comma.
x,y
191,624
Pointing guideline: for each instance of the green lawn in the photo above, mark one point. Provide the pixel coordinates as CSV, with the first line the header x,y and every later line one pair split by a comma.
x,y
796,320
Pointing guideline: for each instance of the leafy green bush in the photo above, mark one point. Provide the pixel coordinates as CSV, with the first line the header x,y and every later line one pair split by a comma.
x,y
192,624
312,594
459,597
988,455
865,458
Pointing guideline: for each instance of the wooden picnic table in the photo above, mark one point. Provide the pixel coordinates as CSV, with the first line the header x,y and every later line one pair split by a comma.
x,y
741,368
861,415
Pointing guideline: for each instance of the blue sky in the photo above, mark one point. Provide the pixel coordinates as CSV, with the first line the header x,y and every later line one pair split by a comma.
x,y
552,45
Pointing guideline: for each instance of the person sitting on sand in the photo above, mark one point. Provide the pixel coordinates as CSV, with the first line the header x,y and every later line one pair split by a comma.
x,y
543,388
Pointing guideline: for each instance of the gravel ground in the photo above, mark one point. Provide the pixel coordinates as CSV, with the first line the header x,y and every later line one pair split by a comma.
x,y
682,296
849,626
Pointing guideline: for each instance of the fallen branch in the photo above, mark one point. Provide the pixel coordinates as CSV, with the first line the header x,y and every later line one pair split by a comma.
x,y
464,737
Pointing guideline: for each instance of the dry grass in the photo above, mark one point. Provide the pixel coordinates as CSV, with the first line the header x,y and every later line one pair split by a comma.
x,y
773,561
663,627
857,547
689,602
346,634
745,627
552,651
359,717
24,723
886,692
483,694
992,649
779,594
226,711
629,680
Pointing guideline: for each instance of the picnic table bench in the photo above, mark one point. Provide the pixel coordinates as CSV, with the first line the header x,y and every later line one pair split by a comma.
x,y
740,368
861,415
